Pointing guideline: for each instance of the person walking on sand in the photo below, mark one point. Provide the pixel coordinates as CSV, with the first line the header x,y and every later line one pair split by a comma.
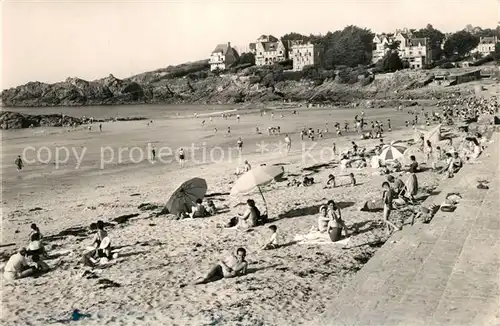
x,y
239,143
181,157
288,143
100,127
19,163
153,154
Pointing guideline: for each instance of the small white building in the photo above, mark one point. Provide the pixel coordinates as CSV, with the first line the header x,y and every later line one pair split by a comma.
x,y
380,43
222,57
486,45
307,54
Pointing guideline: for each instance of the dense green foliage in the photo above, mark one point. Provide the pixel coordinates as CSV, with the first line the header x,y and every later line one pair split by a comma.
x,y
460,43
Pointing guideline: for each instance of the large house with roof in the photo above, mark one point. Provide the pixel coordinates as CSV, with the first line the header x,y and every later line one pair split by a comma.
x,y
417,52
222,57
305,54
268,50
486,45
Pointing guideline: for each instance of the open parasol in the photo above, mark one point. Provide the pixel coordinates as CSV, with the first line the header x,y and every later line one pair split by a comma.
x,y
186,195
394,151
255,178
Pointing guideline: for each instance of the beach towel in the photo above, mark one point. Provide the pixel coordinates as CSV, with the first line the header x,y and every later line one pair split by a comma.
x,y
318,238
372,205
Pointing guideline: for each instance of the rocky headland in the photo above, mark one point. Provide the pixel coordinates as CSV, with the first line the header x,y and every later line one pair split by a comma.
x,y
194,83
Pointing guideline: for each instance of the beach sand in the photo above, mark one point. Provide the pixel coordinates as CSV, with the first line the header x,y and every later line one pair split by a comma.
x,y
287,286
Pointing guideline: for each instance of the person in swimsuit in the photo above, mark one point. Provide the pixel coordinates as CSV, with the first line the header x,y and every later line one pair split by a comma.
x,y
387,197
239,143
181,157
288,143
19,163
323,220
336,224
98,251
231,266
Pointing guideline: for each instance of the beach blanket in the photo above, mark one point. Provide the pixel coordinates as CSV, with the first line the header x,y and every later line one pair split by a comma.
x,y
318,238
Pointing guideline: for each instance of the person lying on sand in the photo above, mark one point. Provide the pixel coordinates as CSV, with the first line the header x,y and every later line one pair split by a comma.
x,y
307,181
231,266
17,266
273,241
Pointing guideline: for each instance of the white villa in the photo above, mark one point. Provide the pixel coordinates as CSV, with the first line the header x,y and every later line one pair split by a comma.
x,y
268,50
222,57
486,45
305,54
416,51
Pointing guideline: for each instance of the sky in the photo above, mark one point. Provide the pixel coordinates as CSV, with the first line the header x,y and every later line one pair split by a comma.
x,y
50,41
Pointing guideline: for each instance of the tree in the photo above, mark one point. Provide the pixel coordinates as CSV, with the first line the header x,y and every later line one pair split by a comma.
x,y
488,32
391,62
496,54
247,57
393,46
460,43
350,47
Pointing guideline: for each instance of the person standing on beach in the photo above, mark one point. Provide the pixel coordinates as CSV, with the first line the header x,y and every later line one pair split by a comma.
x,y
387,197
153,154
239,143
238,118
19,163
228,131
181,157
100,127
288,143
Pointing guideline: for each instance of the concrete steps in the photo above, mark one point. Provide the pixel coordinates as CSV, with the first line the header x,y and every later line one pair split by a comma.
x,y
442,273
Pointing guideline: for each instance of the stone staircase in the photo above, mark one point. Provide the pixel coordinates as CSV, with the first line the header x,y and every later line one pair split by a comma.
x,y
443,273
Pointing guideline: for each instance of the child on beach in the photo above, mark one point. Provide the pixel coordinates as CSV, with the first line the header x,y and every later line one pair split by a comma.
x,y
352,179
273,241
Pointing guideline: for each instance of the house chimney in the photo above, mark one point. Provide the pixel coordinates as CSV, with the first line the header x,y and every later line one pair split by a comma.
x,y
228,44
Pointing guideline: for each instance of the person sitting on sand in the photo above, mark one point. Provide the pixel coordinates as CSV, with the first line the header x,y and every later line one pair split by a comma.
x,y
273,241
231,266
335,224
101,244
398,186
331,181
323,220
352,179
198,210
345,163
17,266
37,252
457,163
35,230
250,218
307,181
211,209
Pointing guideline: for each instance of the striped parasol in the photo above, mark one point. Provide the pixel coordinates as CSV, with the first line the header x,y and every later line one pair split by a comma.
x,y
394,151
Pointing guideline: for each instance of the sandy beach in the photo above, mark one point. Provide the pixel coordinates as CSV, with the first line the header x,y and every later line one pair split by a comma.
x,y
287,286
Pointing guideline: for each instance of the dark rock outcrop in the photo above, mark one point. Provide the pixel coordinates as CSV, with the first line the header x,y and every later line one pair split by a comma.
x,y
14,120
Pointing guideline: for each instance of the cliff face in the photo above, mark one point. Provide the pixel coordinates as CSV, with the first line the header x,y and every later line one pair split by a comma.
x,y
193,83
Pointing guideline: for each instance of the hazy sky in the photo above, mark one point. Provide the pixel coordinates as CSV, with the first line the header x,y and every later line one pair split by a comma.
x,y
49,41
